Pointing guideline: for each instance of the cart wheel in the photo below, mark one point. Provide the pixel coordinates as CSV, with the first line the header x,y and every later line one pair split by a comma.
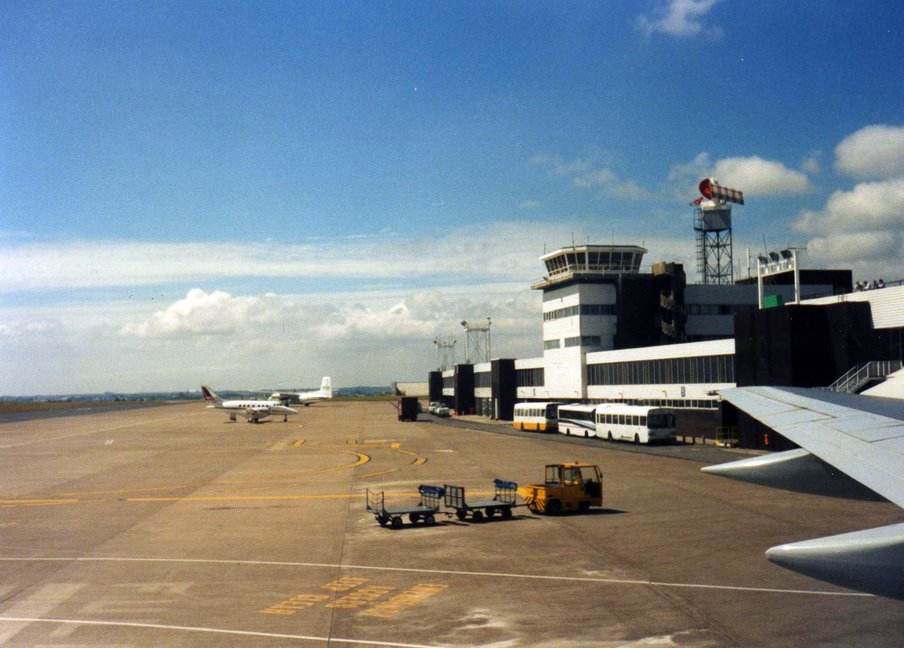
x,y
553,507
461,514
429,520
491,512
397,522
477,515
506,514
383,520
415,518
584,507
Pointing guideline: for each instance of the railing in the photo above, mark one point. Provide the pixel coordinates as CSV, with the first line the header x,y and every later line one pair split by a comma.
x,y
855,378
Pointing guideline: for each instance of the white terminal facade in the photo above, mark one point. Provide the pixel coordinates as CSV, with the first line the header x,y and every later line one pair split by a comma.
x,y
613,333
593,293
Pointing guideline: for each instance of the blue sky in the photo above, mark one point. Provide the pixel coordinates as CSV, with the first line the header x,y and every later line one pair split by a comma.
x,y
254,194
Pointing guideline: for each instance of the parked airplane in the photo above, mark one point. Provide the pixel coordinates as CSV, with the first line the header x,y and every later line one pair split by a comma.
x,y
254,410
305,398
861,437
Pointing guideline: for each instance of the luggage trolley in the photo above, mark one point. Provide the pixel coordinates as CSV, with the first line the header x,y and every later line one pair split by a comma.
x,y
426,509
503,501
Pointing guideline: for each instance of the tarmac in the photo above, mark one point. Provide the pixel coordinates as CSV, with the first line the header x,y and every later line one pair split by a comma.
x,y
172,526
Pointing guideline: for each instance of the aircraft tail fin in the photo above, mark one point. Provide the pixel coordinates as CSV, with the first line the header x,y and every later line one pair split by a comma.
x,y
209,395
326,387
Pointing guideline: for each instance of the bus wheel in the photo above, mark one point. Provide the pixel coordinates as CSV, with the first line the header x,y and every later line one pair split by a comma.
x,y
636,439
609,438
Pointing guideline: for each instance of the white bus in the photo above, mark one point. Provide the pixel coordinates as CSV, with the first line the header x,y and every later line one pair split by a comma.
x,y
637,423
577,420
536,417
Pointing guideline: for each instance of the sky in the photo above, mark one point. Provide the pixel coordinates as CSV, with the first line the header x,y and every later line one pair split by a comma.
x,y
252,195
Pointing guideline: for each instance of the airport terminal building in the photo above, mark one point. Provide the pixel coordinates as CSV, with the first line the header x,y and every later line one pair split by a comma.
x,y
612,333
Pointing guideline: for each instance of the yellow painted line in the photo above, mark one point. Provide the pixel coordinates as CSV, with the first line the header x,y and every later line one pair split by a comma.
x,y
410,453
6,525
128,490
395,446
241,498
299,443
252,498
36,502
420,461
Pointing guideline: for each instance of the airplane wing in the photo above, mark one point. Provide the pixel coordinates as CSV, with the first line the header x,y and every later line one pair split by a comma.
x,y
859,436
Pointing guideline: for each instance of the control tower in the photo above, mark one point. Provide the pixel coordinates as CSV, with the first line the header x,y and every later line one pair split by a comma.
x,y
580,292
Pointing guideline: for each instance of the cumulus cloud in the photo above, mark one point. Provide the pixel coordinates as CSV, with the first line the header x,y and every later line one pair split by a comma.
x,y
863,227
680,19
753,175
869,206
873,152
216,313
756,176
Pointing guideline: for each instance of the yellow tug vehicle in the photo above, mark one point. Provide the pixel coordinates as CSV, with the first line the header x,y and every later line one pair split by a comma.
x,y
567,487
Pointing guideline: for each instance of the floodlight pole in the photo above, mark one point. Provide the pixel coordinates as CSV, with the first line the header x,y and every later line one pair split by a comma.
x,y
777,263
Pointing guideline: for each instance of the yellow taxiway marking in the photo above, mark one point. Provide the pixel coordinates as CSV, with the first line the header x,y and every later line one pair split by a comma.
x,y
36,502
243,498
6,525
298,443
360,460
420,461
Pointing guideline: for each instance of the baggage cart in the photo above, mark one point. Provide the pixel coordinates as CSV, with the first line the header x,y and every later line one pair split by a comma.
x,y
503,502
425,510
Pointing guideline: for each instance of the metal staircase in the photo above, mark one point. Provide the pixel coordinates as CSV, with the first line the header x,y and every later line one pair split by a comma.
x,y
863,373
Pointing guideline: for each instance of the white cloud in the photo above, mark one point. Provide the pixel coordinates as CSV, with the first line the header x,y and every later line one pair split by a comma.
x,y
869,206
463,253
862,229
216,313
873,152
758,177
681,19
752,174
587,173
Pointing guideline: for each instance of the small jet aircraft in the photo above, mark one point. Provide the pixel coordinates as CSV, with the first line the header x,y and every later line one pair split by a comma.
x,y
254,410
305,398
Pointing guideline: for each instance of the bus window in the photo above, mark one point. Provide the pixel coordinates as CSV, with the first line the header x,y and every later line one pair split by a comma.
x,y
621,419
643,421
657,421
